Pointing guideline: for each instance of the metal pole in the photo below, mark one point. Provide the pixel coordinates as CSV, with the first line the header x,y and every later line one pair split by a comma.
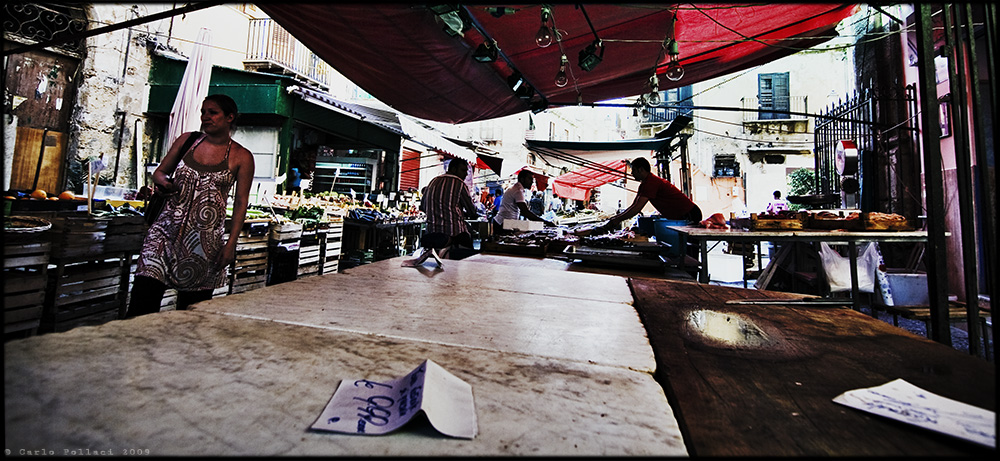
x,y
963,170
989,216
937,271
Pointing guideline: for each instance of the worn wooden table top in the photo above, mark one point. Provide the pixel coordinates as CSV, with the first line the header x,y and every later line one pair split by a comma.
x,y
197,383
565,315
773,396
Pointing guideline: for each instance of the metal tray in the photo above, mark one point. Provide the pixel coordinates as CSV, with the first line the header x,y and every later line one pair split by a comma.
x,y
616,257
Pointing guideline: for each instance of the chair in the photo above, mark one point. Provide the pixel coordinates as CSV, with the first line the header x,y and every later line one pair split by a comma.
x,y
431,243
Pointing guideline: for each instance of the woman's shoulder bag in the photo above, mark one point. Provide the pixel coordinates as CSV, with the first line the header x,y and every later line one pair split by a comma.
x,y
157,200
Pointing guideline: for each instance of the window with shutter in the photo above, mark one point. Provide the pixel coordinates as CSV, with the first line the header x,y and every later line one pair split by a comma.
x,y
773,95
409,170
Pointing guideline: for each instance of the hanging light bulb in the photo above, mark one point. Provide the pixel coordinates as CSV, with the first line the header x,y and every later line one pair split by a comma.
x,y
674,71
544,36
561,79
653,99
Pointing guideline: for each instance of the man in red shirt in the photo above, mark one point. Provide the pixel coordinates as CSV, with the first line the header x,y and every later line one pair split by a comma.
x,y
665,197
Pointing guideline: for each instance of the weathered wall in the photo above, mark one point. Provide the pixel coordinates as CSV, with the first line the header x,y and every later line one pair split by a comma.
x,y
817,75
111,96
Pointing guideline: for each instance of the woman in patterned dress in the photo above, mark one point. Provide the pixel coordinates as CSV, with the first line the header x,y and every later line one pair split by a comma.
x,y
184,248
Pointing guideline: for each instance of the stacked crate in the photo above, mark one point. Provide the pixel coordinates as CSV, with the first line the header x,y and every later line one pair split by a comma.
x,y
125,234
310,249
249,271
86,284
26,258
330,245
78,235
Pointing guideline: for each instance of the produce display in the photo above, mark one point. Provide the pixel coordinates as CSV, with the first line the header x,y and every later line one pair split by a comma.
x,y
342,205
39,194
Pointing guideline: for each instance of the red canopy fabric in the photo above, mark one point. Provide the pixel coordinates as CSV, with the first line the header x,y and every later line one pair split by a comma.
x,y
577,184
400,53
485,161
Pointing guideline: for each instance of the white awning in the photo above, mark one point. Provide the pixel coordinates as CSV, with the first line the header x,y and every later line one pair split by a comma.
x,y
430,138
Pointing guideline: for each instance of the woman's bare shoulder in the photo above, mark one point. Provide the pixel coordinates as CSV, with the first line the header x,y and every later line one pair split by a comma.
x,y
241,154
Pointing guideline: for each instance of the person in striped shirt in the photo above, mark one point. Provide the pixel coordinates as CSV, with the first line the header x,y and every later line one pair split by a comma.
x,y
447,203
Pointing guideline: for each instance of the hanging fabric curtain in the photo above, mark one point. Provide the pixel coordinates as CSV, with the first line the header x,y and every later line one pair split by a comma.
x,y
185,115
577,184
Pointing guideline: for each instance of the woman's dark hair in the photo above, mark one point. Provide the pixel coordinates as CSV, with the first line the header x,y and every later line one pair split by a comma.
x,y
225,103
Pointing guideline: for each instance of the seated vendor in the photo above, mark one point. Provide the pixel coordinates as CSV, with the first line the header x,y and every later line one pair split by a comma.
x,y
665,197
513,204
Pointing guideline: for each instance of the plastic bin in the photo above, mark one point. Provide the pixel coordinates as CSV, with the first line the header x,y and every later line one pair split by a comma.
x,y
908,289
665,235
645,225
282,263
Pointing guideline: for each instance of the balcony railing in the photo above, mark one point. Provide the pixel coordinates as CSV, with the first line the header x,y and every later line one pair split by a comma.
x,y
754,113
665,113
269,46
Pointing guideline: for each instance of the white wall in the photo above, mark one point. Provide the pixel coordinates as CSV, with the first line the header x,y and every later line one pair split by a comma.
x,y
813,74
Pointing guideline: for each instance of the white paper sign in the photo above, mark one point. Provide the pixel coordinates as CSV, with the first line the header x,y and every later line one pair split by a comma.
x,y
361,406
910,404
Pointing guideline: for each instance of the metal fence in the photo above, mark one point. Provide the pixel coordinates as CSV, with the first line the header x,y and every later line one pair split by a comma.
x,y
845,120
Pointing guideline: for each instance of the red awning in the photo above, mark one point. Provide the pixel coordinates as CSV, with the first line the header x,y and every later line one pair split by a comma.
x,y
485,161
401,54
577,184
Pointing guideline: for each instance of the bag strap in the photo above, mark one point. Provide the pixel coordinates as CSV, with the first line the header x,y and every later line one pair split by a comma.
x,y
184,148
189,142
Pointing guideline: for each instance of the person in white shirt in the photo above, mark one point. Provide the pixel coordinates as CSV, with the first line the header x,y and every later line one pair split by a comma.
x,y
776,205
513,204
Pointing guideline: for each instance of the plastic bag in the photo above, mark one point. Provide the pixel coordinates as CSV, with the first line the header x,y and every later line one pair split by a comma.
x,y
838,268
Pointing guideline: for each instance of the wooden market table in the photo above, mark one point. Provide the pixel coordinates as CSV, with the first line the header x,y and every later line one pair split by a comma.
x,y
558,362
703,236
774,397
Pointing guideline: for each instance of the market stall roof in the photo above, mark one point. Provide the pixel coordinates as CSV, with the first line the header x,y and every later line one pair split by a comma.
x,y
577,184
388,120
421,59
572,154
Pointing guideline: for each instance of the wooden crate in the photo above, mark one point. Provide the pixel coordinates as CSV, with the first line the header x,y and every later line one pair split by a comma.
x,y
24,283
770,223
285,232
77,235
125,233
249,271
330,246
310,249
85,292
870,224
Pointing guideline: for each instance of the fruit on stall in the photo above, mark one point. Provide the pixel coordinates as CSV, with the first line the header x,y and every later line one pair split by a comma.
x,y
39,194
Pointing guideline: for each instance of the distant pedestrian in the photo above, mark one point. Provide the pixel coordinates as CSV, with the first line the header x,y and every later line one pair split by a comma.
x,y
777,205
537,204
